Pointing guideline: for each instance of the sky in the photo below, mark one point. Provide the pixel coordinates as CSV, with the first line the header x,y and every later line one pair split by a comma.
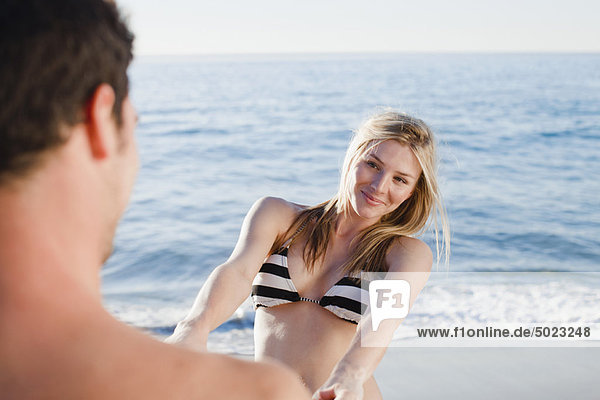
x,y
334,26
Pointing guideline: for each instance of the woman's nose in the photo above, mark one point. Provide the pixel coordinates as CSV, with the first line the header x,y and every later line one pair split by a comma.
x,y
378,183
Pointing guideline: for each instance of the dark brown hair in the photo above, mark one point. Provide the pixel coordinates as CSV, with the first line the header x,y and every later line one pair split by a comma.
x,y
53,55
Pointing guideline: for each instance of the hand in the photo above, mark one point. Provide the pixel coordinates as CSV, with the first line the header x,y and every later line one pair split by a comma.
x,y
188,336
339,391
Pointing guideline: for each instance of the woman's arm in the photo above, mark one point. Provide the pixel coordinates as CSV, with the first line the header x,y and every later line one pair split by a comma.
x,y
410,259
230,283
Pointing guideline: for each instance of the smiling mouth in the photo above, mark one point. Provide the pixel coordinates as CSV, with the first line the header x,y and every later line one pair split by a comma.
x,y
372,200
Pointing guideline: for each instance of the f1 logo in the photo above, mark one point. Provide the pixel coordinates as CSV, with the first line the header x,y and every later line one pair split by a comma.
x,y
388,299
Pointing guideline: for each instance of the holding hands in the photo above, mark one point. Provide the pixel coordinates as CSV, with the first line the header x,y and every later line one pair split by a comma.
x,y
339,391
344,383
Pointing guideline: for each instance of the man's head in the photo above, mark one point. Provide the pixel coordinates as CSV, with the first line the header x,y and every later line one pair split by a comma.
x,y
53,56
66,122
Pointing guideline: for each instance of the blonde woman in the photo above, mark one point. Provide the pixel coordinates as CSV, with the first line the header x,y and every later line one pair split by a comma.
x,y
301,263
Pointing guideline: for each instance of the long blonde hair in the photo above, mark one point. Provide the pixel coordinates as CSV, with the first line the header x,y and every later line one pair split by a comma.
x,y
413,217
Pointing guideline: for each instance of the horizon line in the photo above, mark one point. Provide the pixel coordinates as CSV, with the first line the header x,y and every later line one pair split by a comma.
x,y
370,52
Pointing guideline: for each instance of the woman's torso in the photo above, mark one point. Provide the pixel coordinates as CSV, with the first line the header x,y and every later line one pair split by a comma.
x,y
304,335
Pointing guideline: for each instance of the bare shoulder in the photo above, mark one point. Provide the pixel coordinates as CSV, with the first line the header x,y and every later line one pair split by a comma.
x,y
277,205
185,374
275,210
114,361
250,380
408,254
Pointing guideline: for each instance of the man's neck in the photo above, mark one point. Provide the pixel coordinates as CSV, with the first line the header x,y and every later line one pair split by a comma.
x,y
48,238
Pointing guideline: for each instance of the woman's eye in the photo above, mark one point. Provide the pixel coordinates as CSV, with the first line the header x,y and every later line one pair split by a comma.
x,y
399,180
372,164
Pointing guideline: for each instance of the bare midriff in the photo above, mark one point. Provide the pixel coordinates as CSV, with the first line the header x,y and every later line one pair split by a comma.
x,y
307,338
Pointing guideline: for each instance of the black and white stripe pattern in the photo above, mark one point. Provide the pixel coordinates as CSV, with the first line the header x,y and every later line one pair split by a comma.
x,y
273,286
344,299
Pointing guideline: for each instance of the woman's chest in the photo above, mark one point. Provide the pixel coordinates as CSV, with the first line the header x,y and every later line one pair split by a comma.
x,y
315,283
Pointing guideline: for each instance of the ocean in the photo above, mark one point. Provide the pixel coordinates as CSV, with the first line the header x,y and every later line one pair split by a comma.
x,y
519,143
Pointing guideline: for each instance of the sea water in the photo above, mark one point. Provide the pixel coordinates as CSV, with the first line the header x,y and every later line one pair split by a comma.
x,y
519,142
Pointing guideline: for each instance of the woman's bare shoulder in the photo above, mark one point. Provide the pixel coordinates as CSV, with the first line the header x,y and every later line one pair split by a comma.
x,y
408,254
277,210
277,205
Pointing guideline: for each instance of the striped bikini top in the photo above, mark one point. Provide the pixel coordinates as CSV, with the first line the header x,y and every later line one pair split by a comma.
x,y
273,286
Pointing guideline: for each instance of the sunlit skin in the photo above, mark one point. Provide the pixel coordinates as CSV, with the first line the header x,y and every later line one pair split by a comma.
x,y
384,177
323,349
56,227
128,148
124,169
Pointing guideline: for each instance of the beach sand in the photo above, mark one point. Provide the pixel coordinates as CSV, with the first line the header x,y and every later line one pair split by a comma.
x,y
468,373
490,373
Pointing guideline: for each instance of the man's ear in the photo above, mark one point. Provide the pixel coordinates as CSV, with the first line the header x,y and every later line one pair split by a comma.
x,y
100,121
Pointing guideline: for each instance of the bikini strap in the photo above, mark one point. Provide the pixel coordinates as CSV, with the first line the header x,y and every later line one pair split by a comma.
x,y
288,242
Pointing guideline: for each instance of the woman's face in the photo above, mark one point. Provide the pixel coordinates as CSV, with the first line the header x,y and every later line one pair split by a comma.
x,y
385,176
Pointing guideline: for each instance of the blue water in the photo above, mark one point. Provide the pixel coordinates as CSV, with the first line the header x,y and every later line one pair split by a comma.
x,y
519,143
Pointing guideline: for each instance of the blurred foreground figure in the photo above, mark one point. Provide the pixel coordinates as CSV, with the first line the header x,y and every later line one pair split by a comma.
x,y
68,161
